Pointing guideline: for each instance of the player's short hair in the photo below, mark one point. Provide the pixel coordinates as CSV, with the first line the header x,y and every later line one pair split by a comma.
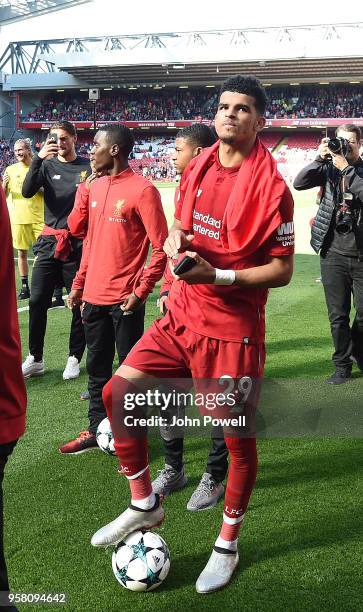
x,y
120,135
67,126
25,142
248,85
350,127
198,134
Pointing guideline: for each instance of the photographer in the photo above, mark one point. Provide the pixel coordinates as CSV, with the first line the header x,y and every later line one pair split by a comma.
x,y
337,233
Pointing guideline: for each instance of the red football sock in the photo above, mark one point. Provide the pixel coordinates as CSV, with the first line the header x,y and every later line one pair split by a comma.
x,y
230,532
130,442
140,486
241,480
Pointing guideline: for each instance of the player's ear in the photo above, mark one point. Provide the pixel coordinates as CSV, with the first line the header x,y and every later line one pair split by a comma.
x,y
115,150
196,151
260,123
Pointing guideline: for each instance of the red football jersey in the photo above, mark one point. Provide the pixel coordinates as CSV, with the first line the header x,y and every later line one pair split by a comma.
x,y
12,387
125,217
226,312
78,218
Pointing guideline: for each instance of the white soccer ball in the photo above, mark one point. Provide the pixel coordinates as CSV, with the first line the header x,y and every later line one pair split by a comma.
x,y
104,437
141,562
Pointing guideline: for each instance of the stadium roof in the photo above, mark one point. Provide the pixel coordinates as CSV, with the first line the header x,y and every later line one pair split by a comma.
x,y
15,10
271,71
276,54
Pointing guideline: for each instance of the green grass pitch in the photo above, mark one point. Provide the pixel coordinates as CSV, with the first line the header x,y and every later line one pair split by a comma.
x,y
299,545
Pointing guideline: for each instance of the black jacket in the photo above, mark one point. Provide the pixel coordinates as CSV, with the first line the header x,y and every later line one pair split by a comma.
x,y
60,181
321,173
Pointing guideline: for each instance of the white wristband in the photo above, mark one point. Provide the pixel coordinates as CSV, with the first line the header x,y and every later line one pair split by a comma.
x,y
224,277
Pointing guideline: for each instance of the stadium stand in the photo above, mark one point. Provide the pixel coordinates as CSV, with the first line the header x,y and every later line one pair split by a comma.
x,y
289,102
295,152
6,155
271,139
314,101
151,155
133,106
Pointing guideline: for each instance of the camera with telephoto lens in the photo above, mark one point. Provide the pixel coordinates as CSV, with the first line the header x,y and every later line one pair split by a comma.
x,y
345,218
338,146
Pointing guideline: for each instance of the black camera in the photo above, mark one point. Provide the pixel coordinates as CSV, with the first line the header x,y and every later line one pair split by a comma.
x,y
345,217
338,146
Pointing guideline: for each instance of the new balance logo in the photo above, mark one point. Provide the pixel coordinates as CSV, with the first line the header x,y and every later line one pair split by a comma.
x,y
94,204
56,177
199,192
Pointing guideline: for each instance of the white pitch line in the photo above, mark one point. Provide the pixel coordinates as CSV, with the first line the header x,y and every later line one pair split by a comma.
x,y
29,258
25,308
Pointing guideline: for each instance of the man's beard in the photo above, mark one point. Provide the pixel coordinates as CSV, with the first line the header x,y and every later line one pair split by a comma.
x,y
228,140
351,157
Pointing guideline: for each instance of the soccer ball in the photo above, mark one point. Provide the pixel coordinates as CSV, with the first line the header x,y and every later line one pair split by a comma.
x,y
104,437
141,562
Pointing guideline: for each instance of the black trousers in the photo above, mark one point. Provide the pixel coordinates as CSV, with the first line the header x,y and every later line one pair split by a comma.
x,y
173,439
217,463
47,274
5,452
104,327
342,278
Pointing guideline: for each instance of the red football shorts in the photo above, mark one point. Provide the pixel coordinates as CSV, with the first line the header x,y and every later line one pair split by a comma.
x,y
170,350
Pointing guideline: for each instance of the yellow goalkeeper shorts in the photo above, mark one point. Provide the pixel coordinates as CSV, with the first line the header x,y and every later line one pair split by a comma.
x,y
25,235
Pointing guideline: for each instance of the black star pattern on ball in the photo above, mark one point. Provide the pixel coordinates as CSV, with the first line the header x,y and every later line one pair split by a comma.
x,y
140,550
153,577
122,575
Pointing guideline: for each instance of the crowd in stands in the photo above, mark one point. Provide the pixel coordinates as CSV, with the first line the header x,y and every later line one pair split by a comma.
x,y
193,104
135,106
6,155
295,152
328,101
151,156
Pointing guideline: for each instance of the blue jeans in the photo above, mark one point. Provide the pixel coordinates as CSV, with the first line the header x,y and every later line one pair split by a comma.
x,y
342,278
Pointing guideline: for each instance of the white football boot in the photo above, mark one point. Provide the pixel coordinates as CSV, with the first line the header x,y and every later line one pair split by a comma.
x,y
133,519
218,571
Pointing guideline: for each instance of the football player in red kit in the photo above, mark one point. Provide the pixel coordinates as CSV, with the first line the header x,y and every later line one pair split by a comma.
x,y
125,218
234,220
190,142
12,387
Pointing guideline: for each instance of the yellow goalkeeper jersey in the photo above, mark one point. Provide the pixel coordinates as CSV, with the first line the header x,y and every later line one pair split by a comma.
x,y
22,210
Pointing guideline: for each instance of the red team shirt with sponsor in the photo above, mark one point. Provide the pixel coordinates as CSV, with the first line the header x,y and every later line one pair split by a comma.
x,y
229,313
125,217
